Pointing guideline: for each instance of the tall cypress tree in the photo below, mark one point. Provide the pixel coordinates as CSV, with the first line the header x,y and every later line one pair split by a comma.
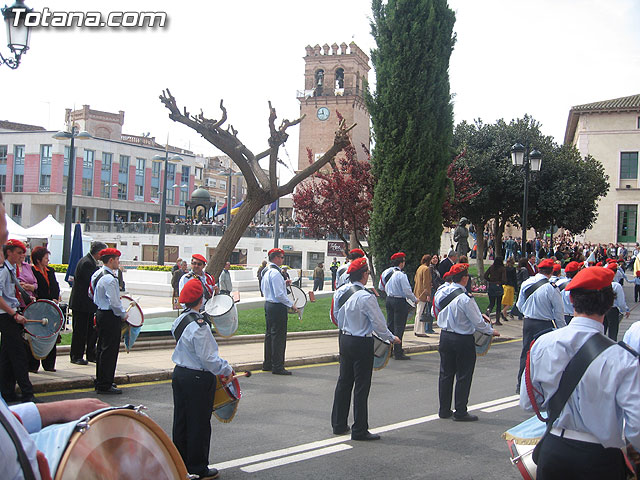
x,y
412,118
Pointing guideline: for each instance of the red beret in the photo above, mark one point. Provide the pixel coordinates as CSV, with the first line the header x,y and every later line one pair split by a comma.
x,y
191,292
556,267
609,260
594,278
199,257
599,264
276,250
357,264
572,267
612,266
456,268
638,273
357,251
398,255
16,243
546,263
114,252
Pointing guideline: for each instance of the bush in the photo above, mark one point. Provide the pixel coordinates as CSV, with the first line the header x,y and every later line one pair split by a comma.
x,y
58,267
237,267
156,268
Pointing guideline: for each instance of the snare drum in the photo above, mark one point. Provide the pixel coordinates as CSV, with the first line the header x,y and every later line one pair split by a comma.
x,y
297,296
521,440
42,338
381,352
226,399
224,314
136,317
110,444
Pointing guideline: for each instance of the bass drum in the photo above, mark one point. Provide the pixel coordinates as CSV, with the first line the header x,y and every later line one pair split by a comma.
x,y
42,338
223,313
297,296
381,352
110,444
136,317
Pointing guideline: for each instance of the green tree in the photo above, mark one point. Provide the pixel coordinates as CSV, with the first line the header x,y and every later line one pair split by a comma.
x,y
412,120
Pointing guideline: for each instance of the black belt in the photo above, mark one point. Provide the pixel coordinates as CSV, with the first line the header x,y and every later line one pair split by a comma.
x,y
538,319
352,335
456,333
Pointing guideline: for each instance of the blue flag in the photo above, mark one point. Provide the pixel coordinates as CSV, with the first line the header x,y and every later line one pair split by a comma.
x,y
76,254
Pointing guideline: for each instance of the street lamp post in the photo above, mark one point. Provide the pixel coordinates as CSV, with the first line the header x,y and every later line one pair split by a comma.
x,y
531,161
110,187
68,212
163,211
18,33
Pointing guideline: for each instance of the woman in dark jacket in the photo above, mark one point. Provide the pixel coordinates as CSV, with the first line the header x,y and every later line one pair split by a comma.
x,y
496,276
48,289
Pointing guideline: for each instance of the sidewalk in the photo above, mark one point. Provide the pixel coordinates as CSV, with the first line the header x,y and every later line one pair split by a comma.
x,y
152,361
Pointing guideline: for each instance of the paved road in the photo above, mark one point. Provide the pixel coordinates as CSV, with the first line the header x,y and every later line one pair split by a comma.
x,y
285,422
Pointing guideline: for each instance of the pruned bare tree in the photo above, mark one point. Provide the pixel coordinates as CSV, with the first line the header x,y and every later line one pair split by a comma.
x,y
262,187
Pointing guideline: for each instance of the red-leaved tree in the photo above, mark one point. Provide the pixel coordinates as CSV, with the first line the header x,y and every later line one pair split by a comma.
x,y
460,190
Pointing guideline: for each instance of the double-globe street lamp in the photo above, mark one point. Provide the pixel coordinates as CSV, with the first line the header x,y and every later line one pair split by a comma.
x,y
18,34
73,134
531,162
163,211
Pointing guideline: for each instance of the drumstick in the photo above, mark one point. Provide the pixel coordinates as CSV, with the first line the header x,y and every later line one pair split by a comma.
x,y
238,375
44,321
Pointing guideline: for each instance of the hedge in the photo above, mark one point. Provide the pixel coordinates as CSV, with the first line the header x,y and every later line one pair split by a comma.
x,y
58,267
156,268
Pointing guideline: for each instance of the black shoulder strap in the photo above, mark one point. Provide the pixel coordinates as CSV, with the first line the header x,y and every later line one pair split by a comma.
x,y
388,276
450,298
561,287
27,470
529,291
188,318
347,295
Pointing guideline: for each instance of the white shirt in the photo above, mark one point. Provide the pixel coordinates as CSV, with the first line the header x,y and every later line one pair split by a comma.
x,y
606,402
106,293
619,302
562,283
342,276
543,304
462,315
274,286
361,314
632,336
383,275
31,422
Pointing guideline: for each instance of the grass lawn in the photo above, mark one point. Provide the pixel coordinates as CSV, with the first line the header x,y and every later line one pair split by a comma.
x,y
316,317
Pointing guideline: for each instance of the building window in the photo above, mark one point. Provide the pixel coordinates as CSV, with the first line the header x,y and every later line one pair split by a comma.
x,y
186,171
3,183
124,164
65,173
45,183
18,155
183,196
105,189
122,191
223,184
140,166
170,195
155,192
3,154
627,223
16,211
87,187
139,191
89,156
45,154
106,161
198,173
171,173
155,169
629,165
18,180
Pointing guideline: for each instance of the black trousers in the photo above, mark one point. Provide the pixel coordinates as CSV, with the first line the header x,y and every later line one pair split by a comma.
x,y
84,335
109,332
333,280
193,392
612,323
318,283
14,362
397,313
564,459
530,328
275,337
49,363
457,360
356,366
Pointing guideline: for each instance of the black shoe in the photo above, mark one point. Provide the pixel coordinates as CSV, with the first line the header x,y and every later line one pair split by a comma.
x,y
423,335
431,331
402,356
448,414
28,398
111,391
80,361
366,437
91,360
342,430
33,371
49,369
210,474
10,398
266,369
466,418
281,372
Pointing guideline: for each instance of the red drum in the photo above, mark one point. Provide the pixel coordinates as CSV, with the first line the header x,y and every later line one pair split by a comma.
x,y
226,399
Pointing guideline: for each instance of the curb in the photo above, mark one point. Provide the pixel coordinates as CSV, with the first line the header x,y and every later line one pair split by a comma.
x,y
165,374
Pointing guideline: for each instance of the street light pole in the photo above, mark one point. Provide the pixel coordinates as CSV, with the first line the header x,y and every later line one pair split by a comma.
x,y
111,186
68,212
163,209
532,161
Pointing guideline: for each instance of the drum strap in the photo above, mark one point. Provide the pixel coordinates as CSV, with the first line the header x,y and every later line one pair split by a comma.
x,y
184,323
448,299
25,464
347,295
388,276
529,291
94,284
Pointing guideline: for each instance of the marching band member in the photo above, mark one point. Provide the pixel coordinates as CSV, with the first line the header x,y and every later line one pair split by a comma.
x,y
602,410
541,304
275,312
570,271
459,317
358,316
209,287
194,382
612,317
341,275
396,285
556,272
110,315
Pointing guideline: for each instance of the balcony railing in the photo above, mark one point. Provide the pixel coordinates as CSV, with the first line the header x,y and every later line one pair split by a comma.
x,y
203,230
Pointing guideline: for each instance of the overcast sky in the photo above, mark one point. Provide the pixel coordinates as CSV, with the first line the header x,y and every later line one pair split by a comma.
x,y
511,57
